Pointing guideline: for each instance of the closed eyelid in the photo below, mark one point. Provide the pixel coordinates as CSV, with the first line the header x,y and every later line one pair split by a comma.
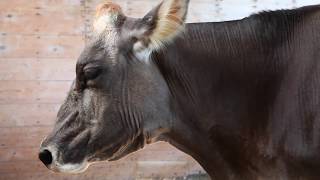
x,y
91,67
92,64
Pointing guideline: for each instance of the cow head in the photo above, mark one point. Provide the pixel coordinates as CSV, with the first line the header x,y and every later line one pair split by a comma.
x,y
119,100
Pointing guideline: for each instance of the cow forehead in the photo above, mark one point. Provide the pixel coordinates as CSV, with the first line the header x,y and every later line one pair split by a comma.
x,y
106,24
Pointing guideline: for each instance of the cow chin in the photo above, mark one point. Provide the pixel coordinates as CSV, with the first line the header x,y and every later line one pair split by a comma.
x,y
70,168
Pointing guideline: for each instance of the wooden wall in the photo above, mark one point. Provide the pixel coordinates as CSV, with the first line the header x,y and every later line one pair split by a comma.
x,y
40,41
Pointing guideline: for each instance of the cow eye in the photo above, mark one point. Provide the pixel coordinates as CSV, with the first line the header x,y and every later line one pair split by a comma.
x,y
92,73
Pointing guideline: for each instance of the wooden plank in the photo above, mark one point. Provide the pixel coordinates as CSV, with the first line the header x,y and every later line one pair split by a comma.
x,y
37,166
37,69
35,170
32,46
165,168
30,92
14,167
142,168
23,136
19,154
49,5
96,175
13,115
41,22
100,174
120,169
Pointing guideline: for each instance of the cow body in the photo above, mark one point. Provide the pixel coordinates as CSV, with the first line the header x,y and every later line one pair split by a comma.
x,y
247,95
241,97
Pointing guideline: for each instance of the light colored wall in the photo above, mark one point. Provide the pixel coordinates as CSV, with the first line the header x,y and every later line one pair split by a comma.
x,y
223,10
40,41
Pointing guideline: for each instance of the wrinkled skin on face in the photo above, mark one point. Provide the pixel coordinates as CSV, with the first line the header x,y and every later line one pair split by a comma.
x,y
119,100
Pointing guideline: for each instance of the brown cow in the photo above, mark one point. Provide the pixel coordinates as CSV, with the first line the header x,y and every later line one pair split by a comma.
x,y
241,97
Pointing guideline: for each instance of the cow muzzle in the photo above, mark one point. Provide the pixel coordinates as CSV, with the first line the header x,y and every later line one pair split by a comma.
x,y
48,156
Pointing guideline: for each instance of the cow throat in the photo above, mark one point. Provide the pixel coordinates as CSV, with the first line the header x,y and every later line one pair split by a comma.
x,y
132,146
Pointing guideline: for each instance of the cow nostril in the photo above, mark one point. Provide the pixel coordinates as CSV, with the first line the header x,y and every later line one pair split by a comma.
x,y
46,157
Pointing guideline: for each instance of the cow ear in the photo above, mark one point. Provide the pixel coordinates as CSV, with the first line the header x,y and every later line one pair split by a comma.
x,y
163,24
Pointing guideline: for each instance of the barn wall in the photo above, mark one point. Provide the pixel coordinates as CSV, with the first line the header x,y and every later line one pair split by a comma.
x,y
40,41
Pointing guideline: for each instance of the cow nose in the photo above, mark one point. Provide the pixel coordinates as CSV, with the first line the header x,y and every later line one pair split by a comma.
x,y
46,157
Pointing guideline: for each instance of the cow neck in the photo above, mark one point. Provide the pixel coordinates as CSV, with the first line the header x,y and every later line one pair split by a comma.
x,y
199,68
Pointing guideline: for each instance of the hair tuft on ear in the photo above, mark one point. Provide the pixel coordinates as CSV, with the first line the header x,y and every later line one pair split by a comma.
x,y
108,14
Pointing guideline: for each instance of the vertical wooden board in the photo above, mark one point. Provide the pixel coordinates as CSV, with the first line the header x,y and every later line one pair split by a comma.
x,y
31,46
18,115
30,92
24,69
